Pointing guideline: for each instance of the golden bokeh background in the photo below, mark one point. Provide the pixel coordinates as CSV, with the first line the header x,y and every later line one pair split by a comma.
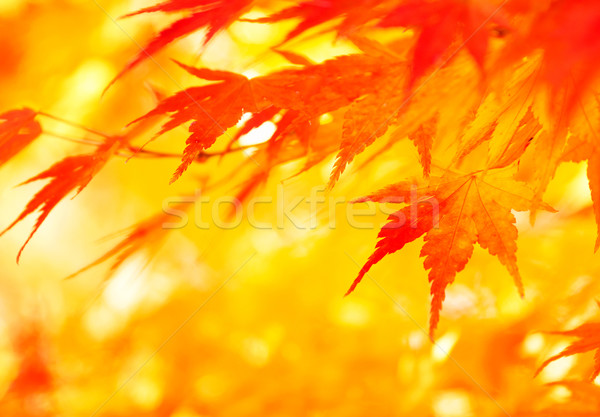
x,y
248,322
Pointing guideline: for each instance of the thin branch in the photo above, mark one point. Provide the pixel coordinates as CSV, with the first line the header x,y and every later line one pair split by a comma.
x,y
157,154
73,124
134,151
70,139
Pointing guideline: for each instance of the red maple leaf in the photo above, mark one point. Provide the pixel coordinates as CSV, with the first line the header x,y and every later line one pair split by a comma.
x,y
18,128
71,174
453,213
440,24
215,15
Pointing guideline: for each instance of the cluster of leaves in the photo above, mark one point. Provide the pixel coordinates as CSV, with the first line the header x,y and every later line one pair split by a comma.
x,y
495,141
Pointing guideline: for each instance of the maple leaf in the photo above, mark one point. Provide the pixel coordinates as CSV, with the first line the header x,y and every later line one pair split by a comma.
x,y
290,121
72,173
423,140
294,130
294,58
494,120
510,140
295,137
215,15
526,131
310,145
583,401
566,34
256,120
309,92
18,128
145,235
213,109
584,144
313,13
593,173
589,339
369,117
440,23
547,147
318,89
453,214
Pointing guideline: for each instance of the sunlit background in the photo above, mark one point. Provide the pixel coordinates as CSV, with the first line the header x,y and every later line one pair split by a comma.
x,y
248,322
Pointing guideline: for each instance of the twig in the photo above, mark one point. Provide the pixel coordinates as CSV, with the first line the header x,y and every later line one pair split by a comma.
x,y
144,153
73,124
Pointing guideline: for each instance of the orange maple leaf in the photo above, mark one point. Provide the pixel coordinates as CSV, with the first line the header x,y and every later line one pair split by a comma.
x,y
306,93
440,22
145,235
422,137
369,117
566,32
589,339
584,144
215,15
313,13
593,173
501,127
18,128
72,173
453,213
214,108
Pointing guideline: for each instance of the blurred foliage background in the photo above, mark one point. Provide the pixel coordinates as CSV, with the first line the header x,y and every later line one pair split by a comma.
x,y
246,321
